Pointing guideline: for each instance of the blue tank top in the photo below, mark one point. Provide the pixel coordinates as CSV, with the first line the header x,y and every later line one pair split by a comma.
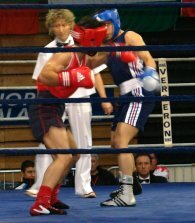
x,y
121,71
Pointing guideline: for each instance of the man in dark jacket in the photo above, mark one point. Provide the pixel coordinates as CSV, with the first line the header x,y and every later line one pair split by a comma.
x,y
143,167
100,176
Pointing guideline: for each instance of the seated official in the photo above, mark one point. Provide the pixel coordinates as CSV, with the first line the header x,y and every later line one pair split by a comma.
x,y
143,164
28,175
100,176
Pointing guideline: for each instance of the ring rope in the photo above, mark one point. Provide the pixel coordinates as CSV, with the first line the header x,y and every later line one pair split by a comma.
x,y
170,85
179,47
106,86
145,145
107,5
6,102
159,150
156,145
34,61
101,117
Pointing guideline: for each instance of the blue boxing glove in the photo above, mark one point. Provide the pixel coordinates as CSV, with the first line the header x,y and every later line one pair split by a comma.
x,y
150,79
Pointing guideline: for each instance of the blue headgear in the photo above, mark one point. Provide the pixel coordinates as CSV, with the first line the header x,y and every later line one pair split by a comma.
x,y
110,16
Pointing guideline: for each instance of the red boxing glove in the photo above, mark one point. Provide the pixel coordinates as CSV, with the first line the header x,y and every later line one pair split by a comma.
x,y
78,77
125,56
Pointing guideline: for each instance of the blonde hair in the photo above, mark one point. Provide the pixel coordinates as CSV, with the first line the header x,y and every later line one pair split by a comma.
x,y
54,14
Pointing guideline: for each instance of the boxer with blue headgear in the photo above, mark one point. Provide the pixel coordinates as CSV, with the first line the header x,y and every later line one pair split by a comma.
x,y
136,76
112,16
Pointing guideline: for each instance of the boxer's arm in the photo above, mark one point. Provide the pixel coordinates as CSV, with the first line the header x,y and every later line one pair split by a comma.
x,y
99,85
134,39
97,60
49,73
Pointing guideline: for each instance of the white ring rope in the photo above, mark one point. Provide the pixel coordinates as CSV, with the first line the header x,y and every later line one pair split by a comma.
x,y
177,59
17,61
106,86
144,145
107,117
108,146
170,85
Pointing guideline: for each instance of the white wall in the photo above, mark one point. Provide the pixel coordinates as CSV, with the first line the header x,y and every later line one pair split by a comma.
x,y
181,173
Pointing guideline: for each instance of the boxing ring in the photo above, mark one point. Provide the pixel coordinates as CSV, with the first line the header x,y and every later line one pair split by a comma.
x,y
172,202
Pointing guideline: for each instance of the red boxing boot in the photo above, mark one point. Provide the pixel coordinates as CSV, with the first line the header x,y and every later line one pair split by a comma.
x,y
55,202
42,205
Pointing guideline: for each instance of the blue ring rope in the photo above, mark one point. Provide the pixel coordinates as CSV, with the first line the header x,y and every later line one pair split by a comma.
x,y
6,102
109,5
159,150
179,47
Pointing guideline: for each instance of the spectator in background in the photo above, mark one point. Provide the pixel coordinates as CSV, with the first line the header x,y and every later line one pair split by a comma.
x,y
158,170
28,175
100,176
143,164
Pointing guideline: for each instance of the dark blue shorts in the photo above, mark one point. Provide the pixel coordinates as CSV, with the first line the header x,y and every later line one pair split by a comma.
x,y
43,116
133,113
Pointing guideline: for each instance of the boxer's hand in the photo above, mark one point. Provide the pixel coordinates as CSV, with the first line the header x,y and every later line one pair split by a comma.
x,y
150,79
125,56
78,77
107,108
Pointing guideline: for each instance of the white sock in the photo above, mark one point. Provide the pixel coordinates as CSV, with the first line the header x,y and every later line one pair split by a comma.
x,y
127,179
